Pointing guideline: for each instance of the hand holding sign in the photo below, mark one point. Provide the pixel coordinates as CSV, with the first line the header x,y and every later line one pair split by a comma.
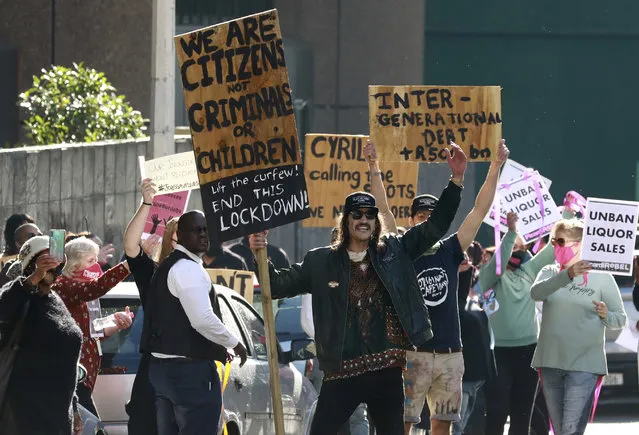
x,y
257,241
511,220
149,190
601,309
579,268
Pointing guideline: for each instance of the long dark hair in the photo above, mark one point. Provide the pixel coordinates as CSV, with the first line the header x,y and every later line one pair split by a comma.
x,y
12,224
342,237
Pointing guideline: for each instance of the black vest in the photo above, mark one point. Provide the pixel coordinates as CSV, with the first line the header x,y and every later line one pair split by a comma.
x,y
166,327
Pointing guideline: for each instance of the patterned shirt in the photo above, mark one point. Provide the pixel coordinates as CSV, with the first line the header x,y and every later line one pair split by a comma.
x,y
374,338
75,295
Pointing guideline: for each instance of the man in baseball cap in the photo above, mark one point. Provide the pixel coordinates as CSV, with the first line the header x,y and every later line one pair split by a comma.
x,y
367,309
421,208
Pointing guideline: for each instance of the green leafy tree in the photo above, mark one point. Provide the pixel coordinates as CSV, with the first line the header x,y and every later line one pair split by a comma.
x,y
77,104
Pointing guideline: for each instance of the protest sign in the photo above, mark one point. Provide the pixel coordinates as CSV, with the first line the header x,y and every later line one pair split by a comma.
x,y
240,112
164,208
172,173
242,281
609,235
512,171
530,199
336,167
416,123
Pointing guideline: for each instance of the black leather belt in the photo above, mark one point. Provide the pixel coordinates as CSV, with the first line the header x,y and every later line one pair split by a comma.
x,y
441,350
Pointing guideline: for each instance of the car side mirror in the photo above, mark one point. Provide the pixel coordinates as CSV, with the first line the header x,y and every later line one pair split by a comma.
x,y
302,350
82,373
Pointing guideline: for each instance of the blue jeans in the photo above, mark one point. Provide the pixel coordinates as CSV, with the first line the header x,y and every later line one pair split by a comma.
x,y
188,397
569,397
469,395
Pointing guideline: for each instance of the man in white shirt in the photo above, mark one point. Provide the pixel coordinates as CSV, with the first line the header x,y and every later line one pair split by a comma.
x,y
185,336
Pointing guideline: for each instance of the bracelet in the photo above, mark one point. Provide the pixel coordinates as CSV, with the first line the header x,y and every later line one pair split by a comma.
x,y
146,203
376,173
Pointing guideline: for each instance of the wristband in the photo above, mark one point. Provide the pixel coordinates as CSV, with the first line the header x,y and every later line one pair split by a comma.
x,y
146,203
376,173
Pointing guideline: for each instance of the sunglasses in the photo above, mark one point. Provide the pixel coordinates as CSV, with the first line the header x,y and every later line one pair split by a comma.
x,y
560,241
370,214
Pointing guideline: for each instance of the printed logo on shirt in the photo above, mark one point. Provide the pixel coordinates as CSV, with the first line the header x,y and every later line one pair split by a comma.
x,y
433,284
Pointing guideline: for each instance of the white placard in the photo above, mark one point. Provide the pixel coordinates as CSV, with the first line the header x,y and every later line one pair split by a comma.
x,y
521,197
174,173
609,235
512,171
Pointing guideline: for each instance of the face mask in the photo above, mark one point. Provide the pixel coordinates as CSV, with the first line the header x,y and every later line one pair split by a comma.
x,y
563,254
90,273
516,259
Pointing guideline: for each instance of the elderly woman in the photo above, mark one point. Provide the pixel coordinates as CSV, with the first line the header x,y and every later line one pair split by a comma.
x,y
577,309
43,379
82,281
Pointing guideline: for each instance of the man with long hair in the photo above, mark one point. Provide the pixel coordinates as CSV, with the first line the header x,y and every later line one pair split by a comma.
x,y
367,307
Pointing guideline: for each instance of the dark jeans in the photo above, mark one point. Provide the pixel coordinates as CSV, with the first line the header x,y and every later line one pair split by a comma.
x,y
188,393
141,407
85,399
382,391
512,392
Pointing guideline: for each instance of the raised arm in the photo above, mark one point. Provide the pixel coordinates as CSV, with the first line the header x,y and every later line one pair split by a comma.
x,y
421,237
134,230
488,274
378,190
74,292
285,283
470,226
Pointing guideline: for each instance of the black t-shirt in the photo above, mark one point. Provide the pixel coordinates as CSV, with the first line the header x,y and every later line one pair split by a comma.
x,y
277,255
142,269
437,277
227,260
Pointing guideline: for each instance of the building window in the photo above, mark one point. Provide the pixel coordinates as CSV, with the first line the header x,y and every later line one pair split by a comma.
x,y
202,12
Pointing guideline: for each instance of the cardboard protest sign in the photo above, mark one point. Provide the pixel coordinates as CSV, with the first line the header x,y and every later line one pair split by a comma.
x,y
164,208
512,171
416,123
609,235
172,173
240,111
242,281
335,167
526,196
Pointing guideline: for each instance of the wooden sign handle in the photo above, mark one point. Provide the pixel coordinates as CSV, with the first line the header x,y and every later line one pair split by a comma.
x,y
271,342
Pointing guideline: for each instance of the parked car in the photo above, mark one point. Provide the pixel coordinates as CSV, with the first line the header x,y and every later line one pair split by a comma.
x,y
247,397
621,385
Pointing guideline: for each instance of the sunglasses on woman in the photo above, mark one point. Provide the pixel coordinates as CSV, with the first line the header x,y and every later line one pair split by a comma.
x,y
560,241
370,214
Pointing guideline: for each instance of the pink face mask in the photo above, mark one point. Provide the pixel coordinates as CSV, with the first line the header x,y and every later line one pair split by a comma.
x,y
563,254
90,273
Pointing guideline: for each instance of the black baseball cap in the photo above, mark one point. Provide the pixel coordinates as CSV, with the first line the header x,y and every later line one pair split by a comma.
x,y
357,200
423,202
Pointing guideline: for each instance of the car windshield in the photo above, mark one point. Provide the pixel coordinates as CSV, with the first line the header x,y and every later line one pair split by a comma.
x,y
120,351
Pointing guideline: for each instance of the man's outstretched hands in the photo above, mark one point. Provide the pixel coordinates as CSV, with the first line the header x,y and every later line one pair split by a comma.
x,y
457,162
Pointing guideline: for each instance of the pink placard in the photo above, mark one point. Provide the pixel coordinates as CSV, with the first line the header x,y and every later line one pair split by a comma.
x,y
164,208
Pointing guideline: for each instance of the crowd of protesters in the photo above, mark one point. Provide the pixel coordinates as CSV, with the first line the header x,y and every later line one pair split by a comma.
x,y
411,326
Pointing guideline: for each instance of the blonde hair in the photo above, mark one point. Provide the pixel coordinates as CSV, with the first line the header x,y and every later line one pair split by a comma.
x,y
167,247
77,250
573,228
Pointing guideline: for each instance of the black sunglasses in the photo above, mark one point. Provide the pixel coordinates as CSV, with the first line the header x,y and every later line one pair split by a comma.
x,y
560,241
370,214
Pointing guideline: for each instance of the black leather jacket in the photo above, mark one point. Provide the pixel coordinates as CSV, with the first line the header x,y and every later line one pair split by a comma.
x,y
325,272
